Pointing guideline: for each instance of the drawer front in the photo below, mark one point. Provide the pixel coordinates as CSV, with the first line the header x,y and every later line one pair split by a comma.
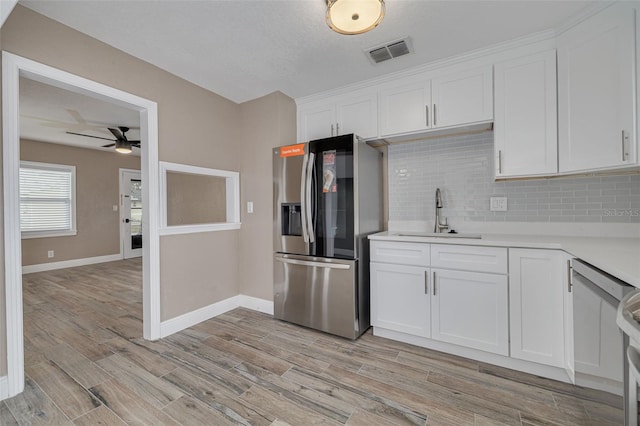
x,y
400,253
469,258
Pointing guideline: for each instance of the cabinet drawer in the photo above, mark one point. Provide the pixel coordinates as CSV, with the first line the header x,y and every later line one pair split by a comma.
x,y
469,258
400,253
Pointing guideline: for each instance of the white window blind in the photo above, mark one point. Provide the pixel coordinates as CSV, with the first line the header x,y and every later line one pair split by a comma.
x,y
47,199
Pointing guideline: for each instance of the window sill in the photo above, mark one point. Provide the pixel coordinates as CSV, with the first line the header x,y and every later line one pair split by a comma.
x,y
192,229
48,234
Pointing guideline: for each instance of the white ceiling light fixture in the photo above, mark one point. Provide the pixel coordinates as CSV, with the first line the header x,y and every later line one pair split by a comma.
x,y
354,16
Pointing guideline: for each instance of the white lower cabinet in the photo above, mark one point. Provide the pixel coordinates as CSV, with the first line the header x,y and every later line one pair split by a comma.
x,y
470,309
536,301
400,298
466,308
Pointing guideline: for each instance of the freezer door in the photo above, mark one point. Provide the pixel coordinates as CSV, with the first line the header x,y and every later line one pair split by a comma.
x,y
318,293
288,207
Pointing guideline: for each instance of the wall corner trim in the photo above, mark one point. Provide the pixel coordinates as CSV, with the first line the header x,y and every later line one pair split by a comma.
x,y
51,266
4,388
192,318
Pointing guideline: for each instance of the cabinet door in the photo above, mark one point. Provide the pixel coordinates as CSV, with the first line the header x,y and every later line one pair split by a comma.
x,y
525,127
595,92
537,305
470,309
316,122
462,98
400,298
359,115
405,109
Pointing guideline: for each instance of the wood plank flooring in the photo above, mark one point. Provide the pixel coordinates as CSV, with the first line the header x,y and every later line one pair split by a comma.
x,y
87,364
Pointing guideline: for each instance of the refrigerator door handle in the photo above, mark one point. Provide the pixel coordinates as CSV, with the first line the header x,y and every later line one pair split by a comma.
x,y
303,199
312,263
310,164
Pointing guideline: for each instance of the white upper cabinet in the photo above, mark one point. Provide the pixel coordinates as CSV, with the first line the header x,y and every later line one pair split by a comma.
x,y
596,92
356,113
462,98
404,108
525,125
454,99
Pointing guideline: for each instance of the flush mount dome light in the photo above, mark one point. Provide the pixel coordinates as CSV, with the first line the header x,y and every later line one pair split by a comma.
x,y
354,16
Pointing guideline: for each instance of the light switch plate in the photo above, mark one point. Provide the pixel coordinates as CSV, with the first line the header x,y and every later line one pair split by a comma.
x,y
498,204
249,206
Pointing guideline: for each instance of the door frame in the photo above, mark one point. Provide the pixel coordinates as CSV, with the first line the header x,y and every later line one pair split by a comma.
x,y
124,236
14,66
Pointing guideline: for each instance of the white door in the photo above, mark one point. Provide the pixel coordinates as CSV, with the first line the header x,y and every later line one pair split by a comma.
x,y
130,213
525,126
537,305
462,98
317,122
405,109
595,92
470,309
359,115
400,298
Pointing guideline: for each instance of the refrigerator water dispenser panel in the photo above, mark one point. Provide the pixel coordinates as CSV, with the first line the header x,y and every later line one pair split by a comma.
x,y
291,214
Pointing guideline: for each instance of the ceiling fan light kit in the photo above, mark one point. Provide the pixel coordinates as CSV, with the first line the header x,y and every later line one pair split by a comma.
x,y
354,16
123,147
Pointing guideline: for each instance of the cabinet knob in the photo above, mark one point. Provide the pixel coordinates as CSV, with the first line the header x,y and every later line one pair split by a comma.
x,y
427,114
434,115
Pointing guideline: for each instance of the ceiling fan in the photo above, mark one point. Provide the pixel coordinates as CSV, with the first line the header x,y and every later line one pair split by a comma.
x,y
122,144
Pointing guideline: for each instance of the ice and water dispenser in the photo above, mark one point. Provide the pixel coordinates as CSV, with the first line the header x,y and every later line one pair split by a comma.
x,y
291,214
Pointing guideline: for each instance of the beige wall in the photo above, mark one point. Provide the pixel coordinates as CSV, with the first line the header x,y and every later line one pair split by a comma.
x,y
196,127
267,122
195,199
97,181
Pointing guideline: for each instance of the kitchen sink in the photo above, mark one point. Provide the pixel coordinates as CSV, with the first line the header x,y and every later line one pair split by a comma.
x,y
437,235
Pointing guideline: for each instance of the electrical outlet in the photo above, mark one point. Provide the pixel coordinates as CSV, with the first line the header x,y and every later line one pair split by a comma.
x,y
249,206
50,254
498,204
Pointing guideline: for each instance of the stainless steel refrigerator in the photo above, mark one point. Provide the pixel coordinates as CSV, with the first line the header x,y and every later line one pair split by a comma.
x,y
327,199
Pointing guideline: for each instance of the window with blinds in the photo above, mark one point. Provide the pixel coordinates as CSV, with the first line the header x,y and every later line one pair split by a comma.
x,y
47,200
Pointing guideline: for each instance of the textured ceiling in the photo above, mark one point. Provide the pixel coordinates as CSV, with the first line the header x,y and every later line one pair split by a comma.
x,y
244,49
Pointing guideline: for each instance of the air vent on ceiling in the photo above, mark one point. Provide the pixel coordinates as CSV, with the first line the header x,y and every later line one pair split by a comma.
x,y
389,50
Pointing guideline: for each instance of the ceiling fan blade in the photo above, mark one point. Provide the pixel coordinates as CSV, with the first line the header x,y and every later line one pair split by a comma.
x,y
137,145
88,136
109,146
116,133
132,142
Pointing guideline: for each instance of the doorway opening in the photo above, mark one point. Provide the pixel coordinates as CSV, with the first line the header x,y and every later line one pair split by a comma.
x,y
14,67
131,213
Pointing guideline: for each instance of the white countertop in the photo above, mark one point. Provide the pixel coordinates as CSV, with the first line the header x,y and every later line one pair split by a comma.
x,y
619,257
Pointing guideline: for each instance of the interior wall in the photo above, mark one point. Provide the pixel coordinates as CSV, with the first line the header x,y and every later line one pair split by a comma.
x,y
3,311
267,122
97,191
196,127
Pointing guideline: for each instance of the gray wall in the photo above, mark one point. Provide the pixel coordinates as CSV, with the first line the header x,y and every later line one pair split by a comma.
x,y
462,167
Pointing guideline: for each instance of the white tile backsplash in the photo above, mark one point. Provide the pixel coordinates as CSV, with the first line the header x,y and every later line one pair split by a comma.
x,y
462,167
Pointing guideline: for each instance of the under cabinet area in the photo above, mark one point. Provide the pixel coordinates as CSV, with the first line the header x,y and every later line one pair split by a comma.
x,y
416,290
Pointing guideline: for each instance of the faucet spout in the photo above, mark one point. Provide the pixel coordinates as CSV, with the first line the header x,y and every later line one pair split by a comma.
x,y
438,227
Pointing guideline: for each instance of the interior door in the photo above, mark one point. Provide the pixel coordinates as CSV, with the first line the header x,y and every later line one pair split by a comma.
x,y
130,213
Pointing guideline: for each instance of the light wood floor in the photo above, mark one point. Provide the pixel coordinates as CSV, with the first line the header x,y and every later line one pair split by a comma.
x,y
87,364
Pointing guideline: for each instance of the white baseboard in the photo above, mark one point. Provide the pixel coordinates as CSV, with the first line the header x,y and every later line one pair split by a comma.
x,y
4,387
70,263
192,318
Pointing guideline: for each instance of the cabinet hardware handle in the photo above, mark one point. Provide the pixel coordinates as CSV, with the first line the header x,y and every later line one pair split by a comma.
x,y
426,282
426,107
624,151
332,130
434,283
499,161
569,283
337,129
434,115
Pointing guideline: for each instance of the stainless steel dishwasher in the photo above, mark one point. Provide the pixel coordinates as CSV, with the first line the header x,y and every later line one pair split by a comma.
x,y
599,346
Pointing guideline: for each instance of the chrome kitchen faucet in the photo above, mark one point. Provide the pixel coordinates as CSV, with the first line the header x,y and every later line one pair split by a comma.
x,y
439,226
